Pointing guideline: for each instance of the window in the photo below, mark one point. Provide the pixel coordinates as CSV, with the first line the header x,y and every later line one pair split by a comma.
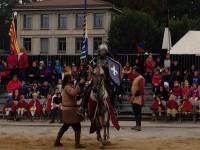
x,y
62,21
79,20
27,44
61,45
44,21
27,21
78,45
96,42
44,45
98,20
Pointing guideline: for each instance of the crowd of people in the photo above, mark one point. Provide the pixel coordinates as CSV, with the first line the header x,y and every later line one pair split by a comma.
x,y
36,88
174,90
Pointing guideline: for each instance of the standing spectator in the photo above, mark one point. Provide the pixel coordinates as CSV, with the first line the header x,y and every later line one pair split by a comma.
x,y
149,67
137,100
75,72
23,64
127,72
13,84
12,63
33,72
167,61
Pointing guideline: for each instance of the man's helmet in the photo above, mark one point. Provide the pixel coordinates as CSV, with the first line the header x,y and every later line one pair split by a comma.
x,y
103,49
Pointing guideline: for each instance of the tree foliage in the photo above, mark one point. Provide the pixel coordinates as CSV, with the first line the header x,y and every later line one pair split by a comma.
x,y
131,28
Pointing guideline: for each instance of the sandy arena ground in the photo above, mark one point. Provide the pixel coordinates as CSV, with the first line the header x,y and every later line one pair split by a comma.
x,y
26,137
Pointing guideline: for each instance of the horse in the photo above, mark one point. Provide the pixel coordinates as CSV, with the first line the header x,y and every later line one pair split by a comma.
x,y
98,106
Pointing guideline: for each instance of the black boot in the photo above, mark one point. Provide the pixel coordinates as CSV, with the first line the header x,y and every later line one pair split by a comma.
x,y
58,138
77,140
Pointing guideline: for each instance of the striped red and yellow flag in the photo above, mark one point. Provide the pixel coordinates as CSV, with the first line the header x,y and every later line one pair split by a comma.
x,y
13,38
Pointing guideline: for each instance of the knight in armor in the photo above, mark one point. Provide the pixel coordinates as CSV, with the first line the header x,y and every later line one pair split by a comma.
x,y
112,70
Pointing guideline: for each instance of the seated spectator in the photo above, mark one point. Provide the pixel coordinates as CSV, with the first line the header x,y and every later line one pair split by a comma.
x,y
187,77
14,103
194,99
166,77
35,107
163,95
45,89
185,89
4,72
156,80
172,106
13,84
22,107
36,88
8,106
177,77
29,94
41,72
58,70
24,88
49,72
192,70
158,64
56,111
67,70
186,105
157,106
33,72
127,72
176,91
174,66
196,78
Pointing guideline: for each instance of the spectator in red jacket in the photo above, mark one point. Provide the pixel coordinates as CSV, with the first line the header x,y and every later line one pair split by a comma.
x,y
35,107
13,84
186,105
12,63
156,80
172,106
149,67
177,91
23,64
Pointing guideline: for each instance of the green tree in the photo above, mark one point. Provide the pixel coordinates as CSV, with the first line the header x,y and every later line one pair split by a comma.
x,y
131,28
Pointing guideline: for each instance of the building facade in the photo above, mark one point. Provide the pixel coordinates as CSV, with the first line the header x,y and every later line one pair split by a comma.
x,y
53,27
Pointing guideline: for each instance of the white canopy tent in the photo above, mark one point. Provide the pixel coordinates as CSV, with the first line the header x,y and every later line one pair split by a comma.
x,y
189,44
167,44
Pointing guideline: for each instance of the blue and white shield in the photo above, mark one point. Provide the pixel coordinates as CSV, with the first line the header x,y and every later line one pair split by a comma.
x,y
114,70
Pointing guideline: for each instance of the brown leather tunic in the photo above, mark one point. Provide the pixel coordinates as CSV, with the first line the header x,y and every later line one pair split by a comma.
x,y
69,106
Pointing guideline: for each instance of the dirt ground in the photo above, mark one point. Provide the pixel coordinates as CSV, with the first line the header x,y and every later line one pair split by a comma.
x,y
151,138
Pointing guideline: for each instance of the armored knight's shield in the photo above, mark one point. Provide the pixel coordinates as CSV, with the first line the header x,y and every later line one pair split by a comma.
x,y
114,70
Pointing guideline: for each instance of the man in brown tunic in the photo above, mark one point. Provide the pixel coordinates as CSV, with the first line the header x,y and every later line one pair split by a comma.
x,y
69,109
137,100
